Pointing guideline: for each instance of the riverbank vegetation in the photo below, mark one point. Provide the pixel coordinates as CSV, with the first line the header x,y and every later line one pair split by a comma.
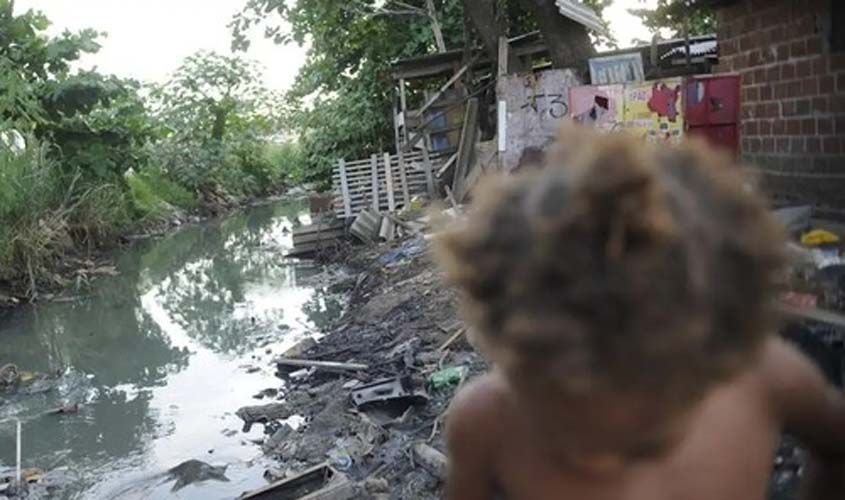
x,y
86,157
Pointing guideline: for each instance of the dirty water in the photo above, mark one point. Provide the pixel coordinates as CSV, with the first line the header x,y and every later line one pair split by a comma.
x,y
160,357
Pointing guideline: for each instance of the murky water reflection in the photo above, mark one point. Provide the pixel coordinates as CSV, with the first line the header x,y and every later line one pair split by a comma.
x,y
161,356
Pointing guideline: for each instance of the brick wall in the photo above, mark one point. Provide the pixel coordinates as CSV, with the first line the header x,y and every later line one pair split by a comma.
x,y
793,94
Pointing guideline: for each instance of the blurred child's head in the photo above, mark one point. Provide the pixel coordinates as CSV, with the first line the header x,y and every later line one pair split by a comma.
x,y
621,268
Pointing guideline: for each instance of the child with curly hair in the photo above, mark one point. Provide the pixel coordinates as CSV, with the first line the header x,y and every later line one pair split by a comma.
x,y
624,295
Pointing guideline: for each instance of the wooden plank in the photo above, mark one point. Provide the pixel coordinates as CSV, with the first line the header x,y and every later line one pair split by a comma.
x,y
374,180
503,56
458,74
429,174
344,188
465,150
388,175
447,165
403,177
320,365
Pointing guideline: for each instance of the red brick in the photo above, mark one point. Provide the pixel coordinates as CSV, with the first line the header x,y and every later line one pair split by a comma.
x,y
787,71
808,126
825,126
826,84
798,48
794,89
796,145
727,48
765,127
750,127
769,145
840,126
782,144
840,82
793,127
802,107
765,92
779,127
814,145
814,45
781,90
820,104
755,58
759,76
830,145
803,69
837,61
773,74
803,25
772,110
837,103
772,17
819,65
810,87
788,108
746,43
774,35
783,52
750,94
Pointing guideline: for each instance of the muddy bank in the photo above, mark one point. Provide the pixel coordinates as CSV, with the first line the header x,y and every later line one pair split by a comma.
x,y
399,316
74,268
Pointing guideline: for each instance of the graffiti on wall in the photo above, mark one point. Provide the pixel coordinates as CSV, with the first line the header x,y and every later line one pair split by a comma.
x,y
651,110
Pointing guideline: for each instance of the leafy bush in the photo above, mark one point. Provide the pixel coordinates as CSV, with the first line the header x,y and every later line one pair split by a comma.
x,y
153,194
287,160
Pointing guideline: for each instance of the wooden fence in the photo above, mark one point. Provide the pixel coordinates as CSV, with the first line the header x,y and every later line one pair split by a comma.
x,y
384,182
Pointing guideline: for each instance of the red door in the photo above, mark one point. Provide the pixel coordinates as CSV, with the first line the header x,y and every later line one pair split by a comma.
x,y
712,100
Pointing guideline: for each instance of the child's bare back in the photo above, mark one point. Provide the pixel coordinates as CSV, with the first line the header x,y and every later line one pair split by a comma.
x,y
624,296
723,451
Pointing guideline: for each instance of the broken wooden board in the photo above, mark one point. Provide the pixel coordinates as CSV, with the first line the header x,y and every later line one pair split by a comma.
x,y
314,237
318,483
466,151
366,226
288,363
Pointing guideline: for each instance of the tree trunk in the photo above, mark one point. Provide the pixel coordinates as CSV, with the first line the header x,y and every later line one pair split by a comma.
x,y
568,41
489,25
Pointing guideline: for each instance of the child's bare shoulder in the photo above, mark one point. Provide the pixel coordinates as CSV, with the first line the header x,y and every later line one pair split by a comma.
x,y
479,410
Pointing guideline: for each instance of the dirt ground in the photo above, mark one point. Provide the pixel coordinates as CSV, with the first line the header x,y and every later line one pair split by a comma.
x,y
397,318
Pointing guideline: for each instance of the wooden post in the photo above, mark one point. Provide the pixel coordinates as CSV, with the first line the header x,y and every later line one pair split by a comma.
x,y
388,177
374,167
503,56
466,148
344,189
403,99
429,174
435,26
403,177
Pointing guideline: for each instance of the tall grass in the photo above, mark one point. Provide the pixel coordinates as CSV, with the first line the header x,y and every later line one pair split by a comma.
x,y
46,214
32,229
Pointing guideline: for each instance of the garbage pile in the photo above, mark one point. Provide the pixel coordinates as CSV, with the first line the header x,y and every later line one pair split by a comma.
x,y
361,413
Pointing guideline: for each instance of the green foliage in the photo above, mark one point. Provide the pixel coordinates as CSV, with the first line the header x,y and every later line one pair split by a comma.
x,y
339,105
154,195
35,55
97,158
288,161
676,15
598,6
212,95
100,124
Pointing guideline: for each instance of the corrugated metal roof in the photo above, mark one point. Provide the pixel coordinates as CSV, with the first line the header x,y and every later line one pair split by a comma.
x,y
695,49
580,13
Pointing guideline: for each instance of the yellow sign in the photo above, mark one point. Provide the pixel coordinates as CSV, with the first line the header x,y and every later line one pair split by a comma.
x,y
653,110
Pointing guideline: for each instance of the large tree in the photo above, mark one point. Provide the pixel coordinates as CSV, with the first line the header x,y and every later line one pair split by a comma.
x,y
678,17
340,103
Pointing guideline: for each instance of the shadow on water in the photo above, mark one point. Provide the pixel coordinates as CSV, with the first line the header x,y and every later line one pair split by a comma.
x,y
161,356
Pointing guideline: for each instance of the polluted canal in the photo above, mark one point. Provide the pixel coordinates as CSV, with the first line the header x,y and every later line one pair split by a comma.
x,y
150,365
